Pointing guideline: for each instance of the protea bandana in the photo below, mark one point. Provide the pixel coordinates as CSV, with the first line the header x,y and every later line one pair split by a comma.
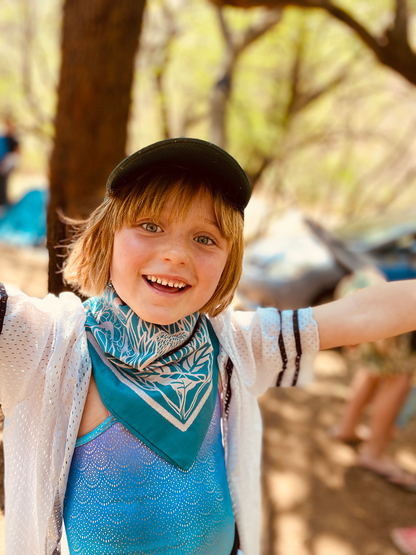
x,y
160,382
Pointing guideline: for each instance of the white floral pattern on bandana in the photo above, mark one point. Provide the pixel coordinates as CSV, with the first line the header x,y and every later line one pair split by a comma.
x,y
168,367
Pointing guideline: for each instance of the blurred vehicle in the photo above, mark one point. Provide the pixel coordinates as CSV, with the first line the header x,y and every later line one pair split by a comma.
x,y
388,240
299,263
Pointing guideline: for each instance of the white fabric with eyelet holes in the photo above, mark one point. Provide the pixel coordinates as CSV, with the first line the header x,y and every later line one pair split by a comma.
x,y
44,378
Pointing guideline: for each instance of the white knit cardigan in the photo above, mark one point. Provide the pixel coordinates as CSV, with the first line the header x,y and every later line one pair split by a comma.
x,y
44,376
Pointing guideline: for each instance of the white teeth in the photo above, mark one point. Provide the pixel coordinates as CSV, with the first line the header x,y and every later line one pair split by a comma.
x,y
153,279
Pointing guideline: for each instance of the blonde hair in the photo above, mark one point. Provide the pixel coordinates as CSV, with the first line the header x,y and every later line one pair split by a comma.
x,y
88,265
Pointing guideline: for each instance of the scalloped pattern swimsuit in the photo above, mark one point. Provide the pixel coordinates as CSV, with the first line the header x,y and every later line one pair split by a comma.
x,y
124,499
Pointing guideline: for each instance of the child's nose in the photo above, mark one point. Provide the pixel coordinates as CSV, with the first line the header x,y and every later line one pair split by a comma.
x,y
176,251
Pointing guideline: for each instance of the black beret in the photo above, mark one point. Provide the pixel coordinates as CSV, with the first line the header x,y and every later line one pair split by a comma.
x,y
222,170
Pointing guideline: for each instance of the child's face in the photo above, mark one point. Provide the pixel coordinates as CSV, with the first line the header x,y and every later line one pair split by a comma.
x,y
190,254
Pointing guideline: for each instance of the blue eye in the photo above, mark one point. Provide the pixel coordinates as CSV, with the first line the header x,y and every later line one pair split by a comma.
x,y
204,240
151,227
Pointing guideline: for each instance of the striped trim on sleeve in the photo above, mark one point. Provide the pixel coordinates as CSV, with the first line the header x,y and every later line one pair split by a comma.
x,y
3,305
282,349
229,368
298,346
282,353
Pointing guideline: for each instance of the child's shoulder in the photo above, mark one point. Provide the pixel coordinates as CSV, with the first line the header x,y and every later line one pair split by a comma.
x,y
64,306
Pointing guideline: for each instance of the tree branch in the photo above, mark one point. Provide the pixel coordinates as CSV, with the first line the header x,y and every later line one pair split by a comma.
x,y
307,98
295,77
343,16
258,28
161,67
234,47
391,48
29,23
335,11
399,29
225,30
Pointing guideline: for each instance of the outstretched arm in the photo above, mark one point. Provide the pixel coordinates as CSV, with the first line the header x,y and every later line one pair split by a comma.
x,y
374,313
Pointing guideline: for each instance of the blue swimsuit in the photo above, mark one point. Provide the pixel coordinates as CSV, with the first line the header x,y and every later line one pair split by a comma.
x,y
124,499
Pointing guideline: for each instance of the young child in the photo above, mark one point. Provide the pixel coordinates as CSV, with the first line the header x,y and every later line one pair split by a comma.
x,y
133,418
382,379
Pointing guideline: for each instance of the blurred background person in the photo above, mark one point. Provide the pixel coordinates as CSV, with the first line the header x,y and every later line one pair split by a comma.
x,y
9,157
382,380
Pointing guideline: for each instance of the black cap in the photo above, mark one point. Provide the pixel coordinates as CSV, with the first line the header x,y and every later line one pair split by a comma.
x,y
222,170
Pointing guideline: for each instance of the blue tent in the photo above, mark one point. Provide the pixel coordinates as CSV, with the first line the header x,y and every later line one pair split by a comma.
x,y
24,224
4,148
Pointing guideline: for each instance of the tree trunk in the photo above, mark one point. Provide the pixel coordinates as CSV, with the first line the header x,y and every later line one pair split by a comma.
x,y
99,42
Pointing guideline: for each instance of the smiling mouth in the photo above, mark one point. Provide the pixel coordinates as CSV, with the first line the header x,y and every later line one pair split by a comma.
x,y
163,284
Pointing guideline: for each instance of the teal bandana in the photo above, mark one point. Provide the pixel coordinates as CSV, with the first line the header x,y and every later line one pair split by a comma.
x,y
160,382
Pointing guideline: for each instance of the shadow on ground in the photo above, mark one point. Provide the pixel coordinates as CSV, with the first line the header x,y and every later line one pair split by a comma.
x,y
316,501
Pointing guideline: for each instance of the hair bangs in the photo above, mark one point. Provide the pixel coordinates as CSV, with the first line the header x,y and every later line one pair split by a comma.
x,y
151,198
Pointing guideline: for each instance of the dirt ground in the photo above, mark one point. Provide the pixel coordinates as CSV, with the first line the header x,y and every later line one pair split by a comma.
x,y
316,501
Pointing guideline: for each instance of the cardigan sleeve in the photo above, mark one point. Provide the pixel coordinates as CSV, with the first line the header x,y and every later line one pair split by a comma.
x,y
268,347
34,338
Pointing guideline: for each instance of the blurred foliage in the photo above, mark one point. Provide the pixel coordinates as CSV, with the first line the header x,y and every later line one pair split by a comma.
x,y
311,113
29,63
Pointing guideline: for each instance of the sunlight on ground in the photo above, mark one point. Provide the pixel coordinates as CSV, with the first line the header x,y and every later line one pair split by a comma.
x,y
290,412
292,535
406,459
25,268
330,363
337,453
327,544
287,489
